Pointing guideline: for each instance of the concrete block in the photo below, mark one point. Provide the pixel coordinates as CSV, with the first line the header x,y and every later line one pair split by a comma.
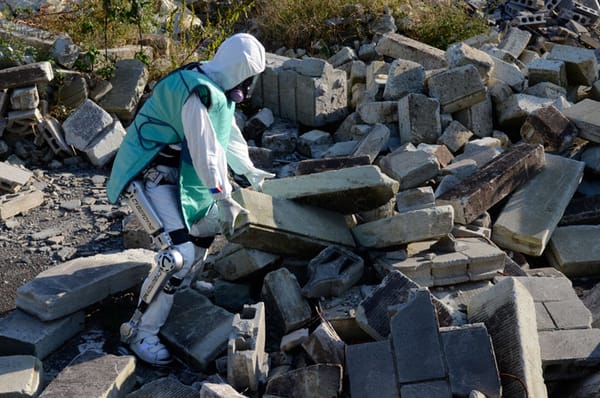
x,y
414,199
344,55
493,182
332,272
411,226
323,345
23,122
64,51
20,376
321,100
234,261
533,211
370,370
13,178
441,153
470,369
340,312
103,148
309,141
581,64
310,166
404,77
314,381
550,127
411,168
286,85
455,136
270,82
198,343
460,54
164,387
509,74
284,227
508,312
281,138
457,88
111,375
215,390
348,190
375,140
372,314
74,89
22,334
284,302
515,41
128,82
76,284
586,117
398,46
85,124
548,90
372,112
426,389
51,131
416,342
419,119
26,75
582,210
246,349
573,250
293,339
478,118
568,354
24,98
547,70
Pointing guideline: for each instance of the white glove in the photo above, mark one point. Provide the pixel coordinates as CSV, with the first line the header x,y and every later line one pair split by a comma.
x,y
256,177
229,210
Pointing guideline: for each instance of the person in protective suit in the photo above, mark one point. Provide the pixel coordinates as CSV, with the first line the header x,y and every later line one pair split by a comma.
x,y
179,145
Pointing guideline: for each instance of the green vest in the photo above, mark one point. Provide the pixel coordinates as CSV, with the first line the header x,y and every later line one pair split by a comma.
x,y
157,124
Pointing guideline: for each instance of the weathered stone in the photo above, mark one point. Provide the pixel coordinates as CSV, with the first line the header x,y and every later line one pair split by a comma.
x,y
460,54
310,166
205,341
375,139
349,190
378,111
493,182
314,381
573,250
509,74
73,90
547,70
457,88
548,126
441,153
76,284
324,345
85,124
24,98
104,375
103,148
20,376
26,75
419,119
398,46
64,51
547,90
581,64
332,272
321,100
455,136
524,225
234,261
284,302
586,116
515,41
513,112
508,312
478,118
215,390
410,167
22,334
569,354
129,81
404,77
415,199
370,369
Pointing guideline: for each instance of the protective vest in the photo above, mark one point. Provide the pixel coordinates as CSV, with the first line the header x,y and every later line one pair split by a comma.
x,y
158,123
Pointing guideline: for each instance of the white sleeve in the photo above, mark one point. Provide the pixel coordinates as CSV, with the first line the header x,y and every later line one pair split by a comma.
x,y
208,156
237,152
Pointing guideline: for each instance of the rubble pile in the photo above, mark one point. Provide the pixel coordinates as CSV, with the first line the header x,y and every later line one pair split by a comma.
x,y
430,213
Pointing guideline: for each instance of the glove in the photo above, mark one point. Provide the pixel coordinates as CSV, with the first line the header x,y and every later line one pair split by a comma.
x,y
256,177
229,210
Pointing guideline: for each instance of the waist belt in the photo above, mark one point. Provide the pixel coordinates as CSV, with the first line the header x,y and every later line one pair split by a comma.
x,y
167,157
182,235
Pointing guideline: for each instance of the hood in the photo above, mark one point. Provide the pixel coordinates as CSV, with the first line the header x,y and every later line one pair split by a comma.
x,y
239,57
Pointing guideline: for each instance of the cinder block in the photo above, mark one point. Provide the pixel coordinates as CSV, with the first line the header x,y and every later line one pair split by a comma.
x,y
332,272
51,131
457,88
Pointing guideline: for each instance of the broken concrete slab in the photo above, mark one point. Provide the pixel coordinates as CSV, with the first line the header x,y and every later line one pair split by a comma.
x,y
404,77
568,354
478,118
234,261
411,226
549,127
401,47
457,88
375,140
573,250
419,119
284,227
85,124
348,190
203,343
415,199
218,390
310,166
26,75
581,64
104,147
103,373
20,376
493,182
513,112
455,136
332,272
508,312
533,211
314,381
370,369
76,284
460,54
410,167
324,345
13,178
128,82
23,334
586,117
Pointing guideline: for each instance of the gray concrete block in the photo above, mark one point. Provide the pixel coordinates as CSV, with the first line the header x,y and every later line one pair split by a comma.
x,y
284,302
493,182
128,82
508,312
550,127
581,64
332,272
13,178
22,334
287,94
573,250
515,41
460,54
404,77
370,369
586,117
478,118
398,46
411,168
76,284
199,343
284,227
106,375
419,119
570,353
321,100
348,190
457,88
378,111
509,74
376,139
214,390
411,226
246,356
26,75
85,124
426,389
416,342
281,137
164,387
324,345
455,136
20,376
524,225
64,51
234,261
471,369
314,381
547,70
414,199
103,148
24,98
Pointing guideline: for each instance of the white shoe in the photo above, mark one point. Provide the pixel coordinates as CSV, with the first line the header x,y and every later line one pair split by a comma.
x,y
151,350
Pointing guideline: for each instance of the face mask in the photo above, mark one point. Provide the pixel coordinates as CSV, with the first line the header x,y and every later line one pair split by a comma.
x,y
241,92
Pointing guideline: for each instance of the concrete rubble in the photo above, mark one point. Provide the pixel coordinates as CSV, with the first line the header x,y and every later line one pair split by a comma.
x,y
431,215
